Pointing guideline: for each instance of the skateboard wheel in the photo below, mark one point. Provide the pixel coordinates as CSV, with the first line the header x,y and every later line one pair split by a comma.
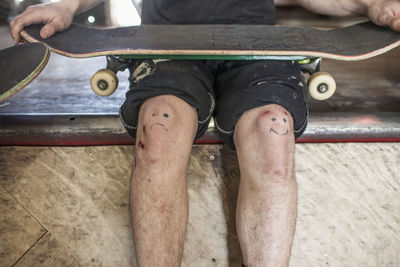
x,y
321,85
104,82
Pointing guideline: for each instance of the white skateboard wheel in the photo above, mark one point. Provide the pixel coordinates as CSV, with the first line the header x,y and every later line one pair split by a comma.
x,y
321,85
104,82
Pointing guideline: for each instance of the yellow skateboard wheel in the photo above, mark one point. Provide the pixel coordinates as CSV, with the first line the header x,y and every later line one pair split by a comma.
x,y
321,85
104,82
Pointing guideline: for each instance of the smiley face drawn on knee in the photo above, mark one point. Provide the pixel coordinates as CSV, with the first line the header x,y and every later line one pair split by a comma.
x,y
158,120
279,126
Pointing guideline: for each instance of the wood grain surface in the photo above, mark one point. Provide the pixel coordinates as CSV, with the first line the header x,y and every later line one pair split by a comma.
x,y
348,205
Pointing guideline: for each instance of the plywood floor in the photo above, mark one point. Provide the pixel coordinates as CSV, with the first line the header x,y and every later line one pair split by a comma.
x,y
69,206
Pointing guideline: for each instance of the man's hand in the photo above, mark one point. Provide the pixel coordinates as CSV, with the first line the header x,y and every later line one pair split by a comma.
x,y
381,12
55,16
385,13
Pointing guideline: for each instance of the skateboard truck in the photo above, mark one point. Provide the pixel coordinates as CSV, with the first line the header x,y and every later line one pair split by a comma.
x,y
321,85
105,81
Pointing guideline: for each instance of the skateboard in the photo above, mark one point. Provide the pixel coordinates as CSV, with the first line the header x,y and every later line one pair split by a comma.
x,y
19,65
221,42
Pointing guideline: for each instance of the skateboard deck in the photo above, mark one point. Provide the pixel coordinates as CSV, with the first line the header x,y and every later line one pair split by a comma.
x,y
19,65
356,42
220,42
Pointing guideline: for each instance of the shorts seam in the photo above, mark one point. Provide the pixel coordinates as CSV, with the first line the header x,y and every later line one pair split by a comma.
x,y
222,130
301,129
294,130
211,109
126,125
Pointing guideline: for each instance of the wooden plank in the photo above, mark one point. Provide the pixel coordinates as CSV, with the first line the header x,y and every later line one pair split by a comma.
x,y
49,252
213,179
79,194
19,230
348,202
349,208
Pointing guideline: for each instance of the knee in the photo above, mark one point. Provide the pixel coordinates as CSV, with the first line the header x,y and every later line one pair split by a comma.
x,y
265,124
157,120
165,123
274,122
264,140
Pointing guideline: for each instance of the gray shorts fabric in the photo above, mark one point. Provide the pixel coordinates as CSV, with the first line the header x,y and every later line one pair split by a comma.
x,y
224,89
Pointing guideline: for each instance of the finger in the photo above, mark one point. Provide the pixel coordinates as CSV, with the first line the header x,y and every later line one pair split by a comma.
x,y
47,31
390,20
52,26
391,15
15,32
395,24
20,22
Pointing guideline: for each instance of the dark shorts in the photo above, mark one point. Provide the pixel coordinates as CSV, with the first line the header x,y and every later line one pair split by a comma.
x,y
224,89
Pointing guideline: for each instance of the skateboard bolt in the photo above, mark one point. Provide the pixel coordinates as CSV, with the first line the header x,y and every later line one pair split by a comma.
x,y
323,88
102,84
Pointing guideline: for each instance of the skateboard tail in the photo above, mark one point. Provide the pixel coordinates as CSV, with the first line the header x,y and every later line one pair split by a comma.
x,y
29,78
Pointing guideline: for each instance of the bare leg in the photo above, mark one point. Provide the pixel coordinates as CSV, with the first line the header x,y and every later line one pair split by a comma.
x,y
159,208
267,202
